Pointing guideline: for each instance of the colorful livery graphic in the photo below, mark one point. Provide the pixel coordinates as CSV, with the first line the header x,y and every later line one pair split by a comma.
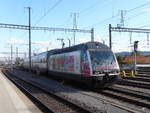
x,y
65,62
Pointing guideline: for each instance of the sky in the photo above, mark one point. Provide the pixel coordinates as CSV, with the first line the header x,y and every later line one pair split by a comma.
x,y
97,14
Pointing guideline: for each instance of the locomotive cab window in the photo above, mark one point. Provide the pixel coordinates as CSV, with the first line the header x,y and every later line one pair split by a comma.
x,y
102,60
101,56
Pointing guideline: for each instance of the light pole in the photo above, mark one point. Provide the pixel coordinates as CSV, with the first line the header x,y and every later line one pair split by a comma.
x,y
11,55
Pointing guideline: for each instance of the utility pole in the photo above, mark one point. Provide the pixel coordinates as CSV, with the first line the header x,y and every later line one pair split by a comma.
x,y
122,18
16,52
11,55
74,25
29,9
110,42
147,38
130,33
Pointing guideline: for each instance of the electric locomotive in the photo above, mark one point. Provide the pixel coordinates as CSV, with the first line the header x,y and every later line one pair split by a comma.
x,y
92,63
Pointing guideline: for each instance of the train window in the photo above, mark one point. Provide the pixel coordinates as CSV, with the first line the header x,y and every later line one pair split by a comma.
x,y
100,57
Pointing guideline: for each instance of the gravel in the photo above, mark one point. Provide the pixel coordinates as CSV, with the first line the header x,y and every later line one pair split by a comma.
x,y
49,101
72,94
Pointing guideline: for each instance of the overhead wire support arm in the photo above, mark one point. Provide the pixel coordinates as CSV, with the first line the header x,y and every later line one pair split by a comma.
x,y
130,30
66,30
10,52
61,29
24,27
14,26
136,30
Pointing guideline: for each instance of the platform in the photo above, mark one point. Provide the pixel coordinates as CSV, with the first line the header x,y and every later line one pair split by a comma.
x,y
12,100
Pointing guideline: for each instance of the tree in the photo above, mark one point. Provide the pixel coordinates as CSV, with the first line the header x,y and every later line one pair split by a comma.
x,y
119,59
138,53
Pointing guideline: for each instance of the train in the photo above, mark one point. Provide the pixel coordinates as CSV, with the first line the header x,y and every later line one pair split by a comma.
x,y
92,63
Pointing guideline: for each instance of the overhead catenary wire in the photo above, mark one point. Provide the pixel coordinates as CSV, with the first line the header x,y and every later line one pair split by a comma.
x,y
99,2
109,18
140,6
143,26
139,14
140,25
48,11
65,22
102,21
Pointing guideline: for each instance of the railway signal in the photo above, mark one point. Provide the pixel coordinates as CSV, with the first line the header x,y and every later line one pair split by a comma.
x,y
135,50
135,45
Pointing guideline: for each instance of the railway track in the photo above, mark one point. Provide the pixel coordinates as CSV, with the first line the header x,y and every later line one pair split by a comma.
x,y
123,91
136,98
46,101
140,84
132,101
144,72
142,80
139,78
121,98
143,75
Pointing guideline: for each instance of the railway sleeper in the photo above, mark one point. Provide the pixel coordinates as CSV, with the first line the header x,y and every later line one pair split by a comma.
x,y
127,98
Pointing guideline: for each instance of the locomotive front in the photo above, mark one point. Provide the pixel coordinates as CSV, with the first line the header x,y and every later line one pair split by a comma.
x,y
105,68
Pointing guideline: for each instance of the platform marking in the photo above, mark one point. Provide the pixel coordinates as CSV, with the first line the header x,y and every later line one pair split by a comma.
x,y
18,103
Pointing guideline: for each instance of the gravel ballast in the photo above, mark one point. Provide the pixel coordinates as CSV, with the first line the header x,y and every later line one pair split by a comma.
x,y
73,95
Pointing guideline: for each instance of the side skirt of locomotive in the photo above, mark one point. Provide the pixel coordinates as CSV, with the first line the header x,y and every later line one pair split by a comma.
x,y
90,81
